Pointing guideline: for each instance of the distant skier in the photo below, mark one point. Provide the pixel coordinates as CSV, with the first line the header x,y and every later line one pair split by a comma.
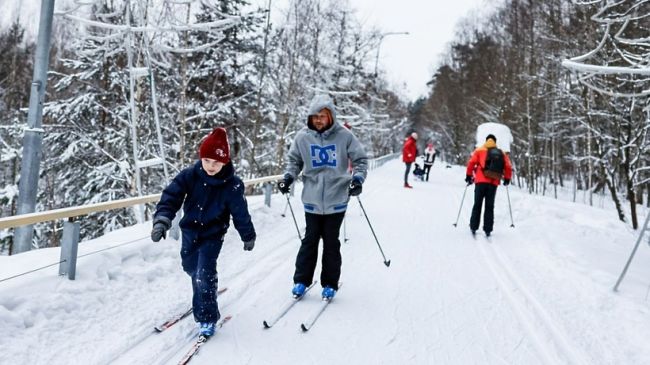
x,y
409,153
429,159
321,150
486,167
210,193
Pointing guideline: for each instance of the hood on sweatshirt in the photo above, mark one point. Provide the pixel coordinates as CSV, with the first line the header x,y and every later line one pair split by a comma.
x,y
318,103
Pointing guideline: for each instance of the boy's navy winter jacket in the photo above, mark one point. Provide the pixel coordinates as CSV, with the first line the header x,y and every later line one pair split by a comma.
x,y
208,202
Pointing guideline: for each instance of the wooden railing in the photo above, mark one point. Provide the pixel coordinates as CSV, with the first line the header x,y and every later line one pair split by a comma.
x,y
50,215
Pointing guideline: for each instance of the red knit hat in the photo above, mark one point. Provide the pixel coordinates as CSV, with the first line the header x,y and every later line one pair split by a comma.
x,y
215,146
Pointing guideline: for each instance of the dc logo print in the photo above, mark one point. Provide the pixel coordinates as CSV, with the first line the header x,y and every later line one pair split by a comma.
x,y
323,156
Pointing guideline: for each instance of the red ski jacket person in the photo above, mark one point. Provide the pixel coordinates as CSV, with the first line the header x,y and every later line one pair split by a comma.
x,y
477,163
409,151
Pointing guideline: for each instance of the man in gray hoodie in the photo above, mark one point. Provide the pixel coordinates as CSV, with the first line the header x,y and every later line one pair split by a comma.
x,y
321,150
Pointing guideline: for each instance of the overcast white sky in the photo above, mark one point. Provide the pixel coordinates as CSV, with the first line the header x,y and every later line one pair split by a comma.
x,y
409,60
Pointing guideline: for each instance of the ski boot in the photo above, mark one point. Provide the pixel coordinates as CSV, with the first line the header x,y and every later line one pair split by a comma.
x,y
207,329
298,290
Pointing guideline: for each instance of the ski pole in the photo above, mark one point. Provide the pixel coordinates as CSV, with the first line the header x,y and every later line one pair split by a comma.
x,y
386,262
512,222
345,233
294,218
284,214
461,205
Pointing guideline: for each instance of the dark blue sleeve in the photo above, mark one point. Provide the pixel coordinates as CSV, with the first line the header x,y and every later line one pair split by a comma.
x,y
173,196
239,210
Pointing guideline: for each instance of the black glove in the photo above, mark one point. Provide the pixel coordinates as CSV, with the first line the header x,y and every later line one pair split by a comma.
x,y
248,245
355,187
159,231
284,184
506,182
469,179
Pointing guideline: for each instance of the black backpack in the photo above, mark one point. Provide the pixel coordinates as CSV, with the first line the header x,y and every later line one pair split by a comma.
x,y
494,164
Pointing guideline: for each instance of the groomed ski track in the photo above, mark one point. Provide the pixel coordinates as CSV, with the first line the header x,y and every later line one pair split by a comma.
x,y
530,295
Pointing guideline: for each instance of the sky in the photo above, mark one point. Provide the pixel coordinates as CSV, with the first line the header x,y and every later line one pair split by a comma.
x,y
538,293
410,60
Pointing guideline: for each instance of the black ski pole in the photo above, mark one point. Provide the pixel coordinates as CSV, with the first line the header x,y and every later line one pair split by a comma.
x,y
386,262
284,214
294,218
461,205
512,222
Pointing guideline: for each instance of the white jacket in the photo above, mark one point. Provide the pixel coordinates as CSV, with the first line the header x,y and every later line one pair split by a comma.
x,y
429,155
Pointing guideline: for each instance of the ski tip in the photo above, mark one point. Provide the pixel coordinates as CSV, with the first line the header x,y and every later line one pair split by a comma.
x,y
454,224
266,325
158,329
303,327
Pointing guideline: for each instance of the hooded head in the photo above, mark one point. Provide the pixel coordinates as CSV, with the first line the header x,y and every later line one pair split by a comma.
x,y
215,146
490,141
322,114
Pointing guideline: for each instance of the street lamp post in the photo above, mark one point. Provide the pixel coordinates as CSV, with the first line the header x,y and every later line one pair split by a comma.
x,y
381,39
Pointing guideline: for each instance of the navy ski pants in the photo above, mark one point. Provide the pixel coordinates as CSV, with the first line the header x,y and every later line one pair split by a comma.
x,y
326,227
199,260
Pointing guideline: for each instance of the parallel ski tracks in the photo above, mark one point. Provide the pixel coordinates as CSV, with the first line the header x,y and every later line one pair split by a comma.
x,y
188,338
550,341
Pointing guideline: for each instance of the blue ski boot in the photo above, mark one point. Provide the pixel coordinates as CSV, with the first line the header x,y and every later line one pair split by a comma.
x,y
207,329
298,290
328,293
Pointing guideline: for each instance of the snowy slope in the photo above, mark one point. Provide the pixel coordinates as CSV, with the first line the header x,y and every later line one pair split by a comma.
x,y
539,293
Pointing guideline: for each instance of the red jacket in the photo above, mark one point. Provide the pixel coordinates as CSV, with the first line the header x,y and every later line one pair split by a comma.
x,y
477,163
409,151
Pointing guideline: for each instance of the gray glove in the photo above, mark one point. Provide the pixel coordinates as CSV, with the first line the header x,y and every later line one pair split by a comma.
x,y
159,231
248,245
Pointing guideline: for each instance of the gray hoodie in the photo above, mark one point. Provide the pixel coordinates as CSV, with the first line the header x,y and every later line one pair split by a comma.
x,y
323,159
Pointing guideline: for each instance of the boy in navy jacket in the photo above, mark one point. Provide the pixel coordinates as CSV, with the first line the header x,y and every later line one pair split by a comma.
x,y
210,194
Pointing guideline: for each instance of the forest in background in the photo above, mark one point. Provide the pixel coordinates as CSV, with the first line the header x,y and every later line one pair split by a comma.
x,y
214,63
583,131
224,63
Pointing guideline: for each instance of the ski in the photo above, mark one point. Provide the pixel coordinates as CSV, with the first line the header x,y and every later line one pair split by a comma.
x,y
309,323
172,321
285,308
199,342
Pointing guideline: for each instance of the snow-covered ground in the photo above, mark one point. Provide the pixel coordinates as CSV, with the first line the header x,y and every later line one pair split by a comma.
x,y
539,293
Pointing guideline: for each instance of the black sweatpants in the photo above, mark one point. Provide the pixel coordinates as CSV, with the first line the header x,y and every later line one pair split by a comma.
x,y
427,168
487,192
326,227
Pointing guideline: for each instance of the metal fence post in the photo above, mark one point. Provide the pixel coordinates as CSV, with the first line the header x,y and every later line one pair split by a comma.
x,y
69,247
268,191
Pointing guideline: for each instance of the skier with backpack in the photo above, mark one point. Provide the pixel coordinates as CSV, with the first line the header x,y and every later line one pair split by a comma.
x,y
487,166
